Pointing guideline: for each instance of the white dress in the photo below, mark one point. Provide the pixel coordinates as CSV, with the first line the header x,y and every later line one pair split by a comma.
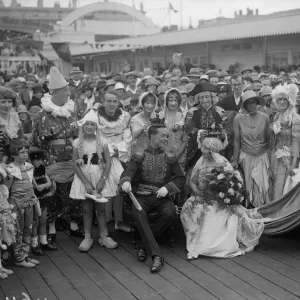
x,y
94,172
214,231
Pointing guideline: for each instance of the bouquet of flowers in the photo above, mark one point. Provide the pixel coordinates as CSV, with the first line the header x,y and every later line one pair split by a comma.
x,y
227,185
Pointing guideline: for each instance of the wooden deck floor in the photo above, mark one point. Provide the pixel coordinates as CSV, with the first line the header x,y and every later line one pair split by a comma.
x,y
272,271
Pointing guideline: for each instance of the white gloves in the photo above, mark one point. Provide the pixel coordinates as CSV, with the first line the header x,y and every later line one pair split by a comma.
x,y
126,187
162,192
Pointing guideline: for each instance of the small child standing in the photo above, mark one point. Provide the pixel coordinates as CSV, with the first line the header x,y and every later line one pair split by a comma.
x,y
44,190
23,199
93,174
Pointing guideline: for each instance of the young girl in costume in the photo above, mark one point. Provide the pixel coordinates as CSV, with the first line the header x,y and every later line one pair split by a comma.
x,y
22,197
93,175
44,190
7,222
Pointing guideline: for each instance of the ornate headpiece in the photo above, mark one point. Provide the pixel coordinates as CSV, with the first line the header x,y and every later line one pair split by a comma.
x,y
157,120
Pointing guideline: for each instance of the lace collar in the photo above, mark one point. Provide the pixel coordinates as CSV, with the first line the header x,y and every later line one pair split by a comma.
x,y
111,121
57,111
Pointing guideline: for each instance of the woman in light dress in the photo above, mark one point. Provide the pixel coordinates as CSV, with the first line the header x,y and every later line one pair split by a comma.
x,y
212,229
175,115
251,147
140,123
285,139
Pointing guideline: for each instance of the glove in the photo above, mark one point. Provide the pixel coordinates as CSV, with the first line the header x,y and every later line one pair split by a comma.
x,y
162,192
126,187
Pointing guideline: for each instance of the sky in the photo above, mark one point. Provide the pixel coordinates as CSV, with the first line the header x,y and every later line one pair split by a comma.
x,y
191,9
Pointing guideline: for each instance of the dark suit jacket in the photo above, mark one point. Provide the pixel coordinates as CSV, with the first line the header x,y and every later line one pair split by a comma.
x,y
24,94
228,103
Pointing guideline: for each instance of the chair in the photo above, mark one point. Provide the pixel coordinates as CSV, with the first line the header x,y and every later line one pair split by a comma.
x,y
170,233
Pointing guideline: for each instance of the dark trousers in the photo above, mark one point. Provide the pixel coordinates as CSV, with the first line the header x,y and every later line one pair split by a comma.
x,y
166,214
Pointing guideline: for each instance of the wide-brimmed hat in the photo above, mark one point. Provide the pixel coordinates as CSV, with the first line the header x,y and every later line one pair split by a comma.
x,y
56,80
37,88
245,70
132,73
109,83
194,72
212,73
266,90
34,110
75,70
251,95
119,86
184,78
14,81
22,109
202,88
204,77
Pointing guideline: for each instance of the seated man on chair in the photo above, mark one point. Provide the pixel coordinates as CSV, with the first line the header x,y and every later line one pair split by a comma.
x,y
158,176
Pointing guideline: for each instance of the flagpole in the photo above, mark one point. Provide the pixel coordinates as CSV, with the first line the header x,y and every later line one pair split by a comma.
x,y
181,14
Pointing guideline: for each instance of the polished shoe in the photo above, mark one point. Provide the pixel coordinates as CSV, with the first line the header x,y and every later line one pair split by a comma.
x,y
48,247
32,260
123,227
37,251
107,242
24,264
51,238
77,233
157,264
142,254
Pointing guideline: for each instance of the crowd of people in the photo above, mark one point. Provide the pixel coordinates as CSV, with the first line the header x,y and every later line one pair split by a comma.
x,y
72,148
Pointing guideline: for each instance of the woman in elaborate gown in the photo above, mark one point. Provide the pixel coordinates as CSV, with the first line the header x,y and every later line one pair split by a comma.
x,y
212,229
174,115
140,123
250,149
285,137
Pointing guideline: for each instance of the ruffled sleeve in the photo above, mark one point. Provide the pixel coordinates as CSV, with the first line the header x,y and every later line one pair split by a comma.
x,y
75,143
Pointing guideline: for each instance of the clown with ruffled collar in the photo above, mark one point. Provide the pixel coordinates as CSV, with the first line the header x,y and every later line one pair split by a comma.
x,y
54,131
115,129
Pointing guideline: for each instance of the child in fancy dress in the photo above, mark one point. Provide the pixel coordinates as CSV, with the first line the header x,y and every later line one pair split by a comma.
x,y
94,174
44,190
25,203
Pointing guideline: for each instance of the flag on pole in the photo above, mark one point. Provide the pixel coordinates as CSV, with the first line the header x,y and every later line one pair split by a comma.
x,y
172,8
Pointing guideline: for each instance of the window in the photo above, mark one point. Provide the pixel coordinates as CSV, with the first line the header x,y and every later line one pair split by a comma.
x,y
236,47
296,58
226,48
247,46
278,59
103,67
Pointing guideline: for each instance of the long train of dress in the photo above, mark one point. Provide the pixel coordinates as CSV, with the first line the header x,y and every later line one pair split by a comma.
x,y
283,215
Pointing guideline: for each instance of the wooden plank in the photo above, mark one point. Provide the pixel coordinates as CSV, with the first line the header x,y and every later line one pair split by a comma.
x,y
275,265
230,280
253,279
271,275
34,283
13,287
280,256
187,286
56,280
95,272
206,281
78,278
128,279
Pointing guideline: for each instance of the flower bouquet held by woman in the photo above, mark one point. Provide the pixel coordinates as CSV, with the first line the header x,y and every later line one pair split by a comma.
x,y
214,221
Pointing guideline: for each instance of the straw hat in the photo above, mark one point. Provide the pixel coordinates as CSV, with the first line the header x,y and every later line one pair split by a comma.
x,y
34,110
56,80
245,70
194,72
119,86
184,79
151,81
75,70
266,90
109,83
132,73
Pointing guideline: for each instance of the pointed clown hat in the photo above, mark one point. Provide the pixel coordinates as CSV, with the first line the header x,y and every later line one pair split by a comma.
x,y
56,80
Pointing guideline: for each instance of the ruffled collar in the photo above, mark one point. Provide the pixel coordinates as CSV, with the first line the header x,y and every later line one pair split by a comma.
x,y
12,125
15,171
57,111
109,118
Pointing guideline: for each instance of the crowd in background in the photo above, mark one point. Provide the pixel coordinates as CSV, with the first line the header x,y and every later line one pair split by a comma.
x,y
254,115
